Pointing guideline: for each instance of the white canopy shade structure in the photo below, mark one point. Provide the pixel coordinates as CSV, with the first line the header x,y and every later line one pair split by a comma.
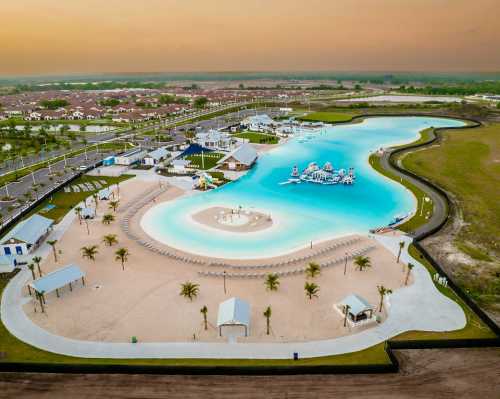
x,y
359,308
58,279
234,312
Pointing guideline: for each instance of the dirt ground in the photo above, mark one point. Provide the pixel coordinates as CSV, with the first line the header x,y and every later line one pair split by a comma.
x,y
431,373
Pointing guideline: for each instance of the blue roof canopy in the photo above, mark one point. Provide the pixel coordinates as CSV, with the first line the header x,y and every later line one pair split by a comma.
x,y
57,279
194,149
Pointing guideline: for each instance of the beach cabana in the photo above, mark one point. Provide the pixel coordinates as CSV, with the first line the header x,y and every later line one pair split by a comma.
x,y
87,213
57,279
234,312
105,194
359,310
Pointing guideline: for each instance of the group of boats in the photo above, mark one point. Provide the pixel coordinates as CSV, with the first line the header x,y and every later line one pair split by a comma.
x,y
325,175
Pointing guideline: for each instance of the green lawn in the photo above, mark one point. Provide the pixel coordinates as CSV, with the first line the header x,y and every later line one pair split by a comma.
x,y
329,117
209,160
257,137
64,202
420,217
467,165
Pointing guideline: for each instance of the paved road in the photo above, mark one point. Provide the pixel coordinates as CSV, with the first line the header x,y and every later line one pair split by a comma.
x,y
440,206
44,180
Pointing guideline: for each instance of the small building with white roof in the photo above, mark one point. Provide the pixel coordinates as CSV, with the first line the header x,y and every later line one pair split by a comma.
x,y
155,157
359,311
242,158
215,140
259,123
234,312
130,157
26,236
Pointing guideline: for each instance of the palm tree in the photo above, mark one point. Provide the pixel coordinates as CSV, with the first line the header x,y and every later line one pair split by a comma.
x,y
410,266
313,269
122,255
95,196
37,260
41,299
204,311
110,239
53,243
90,252
311,289
383,292
401,246
346,310
267,315
108,218
272,282
361,262
78,211
114,205
189,290
31,266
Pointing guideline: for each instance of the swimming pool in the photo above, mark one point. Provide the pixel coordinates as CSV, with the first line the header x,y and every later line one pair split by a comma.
x,y
301,212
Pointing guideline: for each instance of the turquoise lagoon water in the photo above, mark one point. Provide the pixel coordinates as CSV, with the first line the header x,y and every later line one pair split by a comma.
x,y
301,212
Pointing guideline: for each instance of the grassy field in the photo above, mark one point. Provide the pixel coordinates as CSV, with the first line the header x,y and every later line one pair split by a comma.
x,y
258,138
209,160
329,117
424,211
64,202
467,165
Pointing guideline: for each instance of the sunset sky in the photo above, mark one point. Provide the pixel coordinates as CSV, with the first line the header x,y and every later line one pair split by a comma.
x,y
92,36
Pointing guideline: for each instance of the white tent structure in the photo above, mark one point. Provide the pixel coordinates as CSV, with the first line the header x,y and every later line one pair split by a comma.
x,y
358,308
234,312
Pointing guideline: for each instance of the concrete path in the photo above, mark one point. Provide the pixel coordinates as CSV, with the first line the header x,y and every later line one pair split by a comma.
x,y
417,307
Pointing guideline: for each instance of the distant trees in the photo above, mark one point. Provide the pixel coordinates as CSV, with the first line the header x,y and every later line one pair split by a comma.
x,y
200,102
54,103
109,102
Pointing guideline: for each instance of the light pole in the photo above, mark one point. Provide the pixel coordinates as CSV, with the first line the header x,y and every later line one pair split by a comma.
x,y
225,282
345,265
33,177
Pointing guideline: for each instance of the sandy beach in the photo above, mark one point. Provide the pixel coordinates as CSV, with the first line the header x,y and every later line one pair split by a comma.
x,y
144,300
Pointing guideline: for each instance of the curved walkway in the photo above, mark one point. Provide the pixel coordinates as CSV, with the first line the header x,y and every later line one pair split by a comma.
x,y
417,307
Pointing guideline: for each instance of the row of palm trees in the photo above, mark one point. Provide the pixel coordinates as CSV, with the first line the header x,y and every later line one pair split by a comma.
x,y
190,290
91,251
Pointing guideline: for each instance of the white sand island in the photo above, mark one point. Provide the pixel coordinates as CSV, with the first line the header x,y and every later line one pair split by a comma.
x,y
237,220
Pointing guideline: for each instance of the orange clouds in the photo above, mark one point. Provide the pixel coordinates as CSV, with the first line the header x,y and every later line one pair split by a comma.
x,y
90,36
